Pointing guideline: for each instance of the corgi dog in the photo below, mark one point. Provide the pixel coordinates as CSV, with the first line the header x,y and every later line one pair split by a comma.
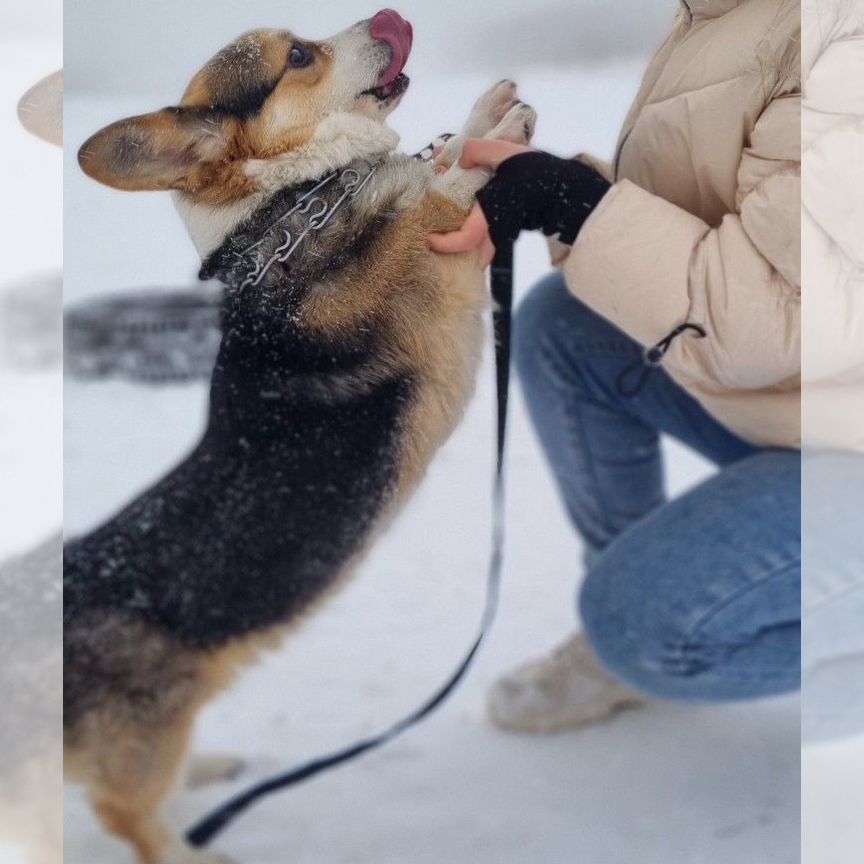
x,y
348,353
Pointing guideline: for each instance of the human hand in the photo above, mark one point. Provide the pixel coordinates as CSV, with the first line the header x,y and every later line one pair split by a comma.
x,y
530,191
474,233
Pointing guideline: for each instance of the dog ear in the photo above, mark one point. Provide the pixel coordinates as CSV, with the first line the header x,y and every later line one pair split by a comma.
x,y
163,150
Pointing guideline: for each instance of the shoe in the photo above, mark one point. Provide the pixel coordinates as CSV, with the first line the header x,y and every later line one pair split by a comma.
x,y
565,690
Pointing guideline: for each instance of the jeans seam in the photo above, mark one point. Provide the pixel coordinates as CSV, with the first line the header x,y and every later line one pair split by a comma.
x,y
687,639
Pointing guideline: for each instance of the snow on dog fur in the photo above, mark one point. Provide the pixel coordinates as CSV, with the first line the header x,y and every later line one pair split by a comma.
x,y
342,370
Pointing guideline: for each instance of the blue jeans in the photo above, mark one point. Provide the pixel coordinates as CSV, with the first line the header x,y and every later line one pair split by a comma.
x,y
697,598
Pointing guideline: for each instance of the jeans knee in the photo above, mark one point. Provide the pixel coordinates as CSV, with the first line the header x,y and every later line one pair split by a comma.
x,y
652,648
609,626
631,642
631,653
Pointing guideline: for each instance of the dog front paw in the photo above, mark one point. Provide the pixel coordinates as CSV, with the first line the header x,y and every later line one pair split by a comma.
x,y
491,108
517,125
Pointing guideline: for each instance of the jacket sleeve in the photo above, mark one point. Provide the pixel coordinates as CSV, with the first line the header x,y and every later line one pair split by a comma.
x,y
648,265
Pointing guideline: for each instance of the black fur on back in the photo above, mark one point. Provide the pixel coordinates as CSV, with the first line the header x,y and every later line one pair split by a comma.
x,y
282,490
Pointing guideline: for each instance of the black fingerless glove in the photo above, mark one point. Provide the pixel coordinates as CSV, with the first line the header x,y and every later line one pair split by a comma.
x,y
539,191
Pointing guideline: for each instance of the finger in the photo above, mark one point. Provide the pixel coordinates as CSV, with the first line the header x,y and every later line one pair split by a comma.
x,y
488,252
489,153
463,240
470,236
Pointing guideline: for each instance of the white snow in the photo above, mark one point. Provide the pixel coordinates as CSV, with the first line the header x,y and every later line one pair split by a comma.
x,y
833,788
668,785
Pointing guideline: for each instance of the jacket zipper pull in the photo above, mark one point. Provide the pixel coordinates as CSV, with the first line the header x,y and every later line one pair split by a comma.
x,y
652,357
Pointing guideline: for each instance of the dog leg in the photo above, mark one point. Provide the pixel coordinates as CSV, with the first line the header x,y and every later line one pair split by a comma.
x,y
487,113
136,772
460,184
204,770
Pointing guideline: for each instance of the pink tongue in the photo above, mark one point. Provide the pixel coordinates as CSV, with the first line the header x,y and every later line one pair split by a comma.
x,y
390,27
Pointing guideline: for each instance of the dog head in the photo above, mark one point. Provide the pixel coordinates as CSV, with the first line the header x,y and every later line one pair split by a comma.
x,y
265,97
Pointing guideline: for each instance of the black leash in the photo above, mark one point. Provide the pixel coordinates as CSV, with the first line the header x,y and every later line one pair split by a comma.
x,y
502,296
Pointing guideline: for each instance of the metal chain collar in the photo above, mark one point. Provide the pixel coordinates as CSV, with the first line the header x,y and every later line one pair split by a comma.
x,y
320,213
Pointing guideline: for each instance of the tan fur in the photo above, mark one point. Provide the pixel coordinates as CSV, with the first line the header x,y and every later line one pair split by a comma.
x,y
130,768
448,351
440,330
275,129
135,775
433,316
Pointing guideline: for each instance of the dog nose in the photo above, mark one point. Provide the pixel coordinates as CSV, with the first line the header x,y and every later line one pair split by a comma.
x,y
389,26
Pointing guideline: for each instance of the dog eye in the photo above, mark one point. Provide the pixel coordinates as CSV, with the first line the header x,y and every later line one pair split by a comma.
x,y
299,57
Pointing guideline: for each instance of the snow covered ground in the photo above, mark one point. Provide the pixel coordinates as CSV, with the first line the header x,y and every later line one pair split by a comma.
x,y
832,791
667,785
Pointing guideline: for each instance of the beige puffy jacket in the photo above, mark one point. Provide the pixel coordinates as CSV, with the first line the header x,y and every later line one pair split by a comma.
x,y
702,223
833,222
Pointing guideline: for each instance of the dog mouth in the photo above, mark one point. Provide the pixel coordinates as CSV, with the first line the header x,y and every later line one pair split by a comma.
x,y
389,27
391,90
